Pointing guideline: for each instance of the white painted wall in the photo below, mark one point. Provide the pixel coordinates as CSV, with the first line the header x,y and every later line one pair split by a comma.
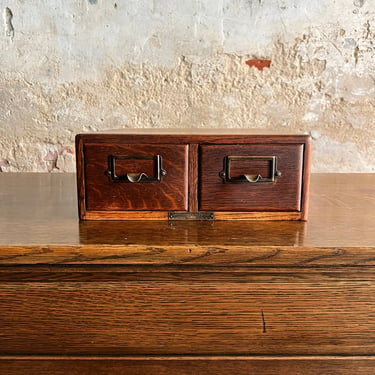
x,y
68,66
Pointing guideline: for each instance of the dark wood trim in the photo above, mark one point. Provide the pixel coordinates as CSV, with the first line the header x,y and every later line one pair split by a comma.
x,y
243,138
80,178
195,274
193,177
305,195
189,254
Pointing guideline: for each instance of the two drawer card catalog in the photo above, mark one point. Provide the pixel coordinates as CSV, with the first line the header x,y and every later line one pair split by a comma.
x,y
162,174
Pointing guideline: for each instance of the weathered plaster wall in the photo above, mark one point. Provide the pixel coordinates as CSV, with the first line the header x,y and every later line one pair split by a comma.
x,y
68,66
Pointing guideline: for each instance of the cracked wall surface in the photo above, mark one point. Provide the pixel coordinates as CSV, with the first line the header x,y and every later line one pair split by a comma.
x,y
71,66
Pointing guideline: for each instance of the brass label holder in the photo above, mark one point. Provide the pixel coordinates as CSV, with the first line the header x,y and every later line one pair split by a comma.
x,y
225,174
191,216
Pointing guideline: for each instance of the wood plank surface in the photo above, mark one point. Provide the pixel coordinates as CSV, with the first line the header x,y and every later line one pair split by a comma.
x,y
189,366
41,209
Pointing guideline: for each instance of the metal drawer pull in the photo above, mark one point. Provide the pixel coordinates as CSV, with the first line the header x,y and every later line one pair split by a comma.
x,y
250,178
132,177
253,178
136,177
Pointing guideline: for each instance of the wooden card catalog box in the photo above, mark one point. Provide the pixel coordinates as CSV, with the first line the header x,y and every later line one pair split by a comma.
x,y
165,174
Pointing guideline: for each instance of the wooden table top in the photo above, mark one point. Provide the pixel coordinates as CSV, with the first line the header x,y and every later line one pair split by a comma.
x,y
39,225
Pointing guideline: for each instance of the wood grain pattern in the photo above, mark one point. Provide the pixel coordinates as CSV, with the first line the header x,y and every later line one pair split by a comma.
x,y
119,273
198,136
269,316
164,215
193,177
80,177
190,255
125,215
306,178
39,215
102,194
283,195
189,366
258,215
162,297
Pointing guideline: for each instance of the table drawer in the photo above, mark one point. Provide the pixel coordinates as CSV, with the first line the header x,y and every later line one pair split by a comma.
x,y
195,314
251,177
189,365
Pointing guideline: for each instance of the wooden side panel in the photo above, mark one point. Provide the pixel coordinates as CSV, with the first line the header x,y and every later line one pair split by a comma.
x,y
80,177
189,366
256,316
193,177
282,195
102,194
307,154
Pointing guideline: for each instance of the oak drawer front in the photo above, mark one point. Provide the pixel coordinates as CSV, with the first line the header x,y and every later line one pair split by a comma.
x,y
273,315
137,177
251,177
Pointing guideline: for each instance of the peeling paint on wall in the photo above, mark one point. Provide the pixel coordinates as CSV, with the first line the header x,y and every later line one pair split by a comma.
x,y
182,64
359,3
9,30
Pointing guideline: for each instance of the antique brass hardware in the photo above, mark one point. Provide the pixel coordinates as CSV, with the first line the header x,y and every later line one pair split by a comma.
x,y
191,216
132,177
250,178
